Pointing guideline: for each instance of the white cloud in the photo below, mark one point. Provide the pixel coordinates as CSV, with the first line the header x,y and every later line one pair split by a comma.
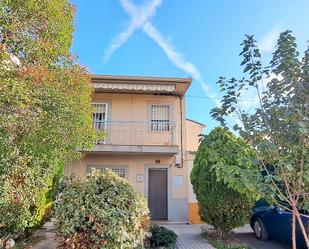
x,y
268,41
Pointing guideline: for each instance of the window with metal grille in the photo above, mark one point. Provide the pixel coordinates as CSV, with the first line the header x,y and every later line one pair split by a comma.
x,y
160,117
99,116
119,170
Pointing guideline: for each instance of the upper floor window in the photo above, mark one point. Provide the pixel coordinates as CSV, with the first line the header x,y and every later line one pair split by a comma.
x,y
160,117
99,116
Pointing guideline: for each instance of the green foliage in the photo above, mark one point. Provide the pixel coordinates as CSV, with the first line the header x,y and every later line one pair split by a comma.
x,y
41,124
222,240
45,108
219,204
278,125
162,237
36,31
222,245
102,211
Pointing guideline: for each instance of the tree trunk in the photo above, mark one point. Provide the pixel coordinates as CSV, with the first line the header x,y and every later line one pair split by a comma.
x,y
294,228
303,229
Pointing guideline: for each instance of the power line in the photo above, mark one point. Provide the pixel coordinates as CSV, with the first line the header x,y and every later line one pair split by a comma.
x,y
206,97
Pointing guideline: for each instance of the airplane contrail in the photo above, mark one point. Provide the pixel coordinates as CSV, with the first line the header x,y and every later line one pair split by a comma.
x,y
140,20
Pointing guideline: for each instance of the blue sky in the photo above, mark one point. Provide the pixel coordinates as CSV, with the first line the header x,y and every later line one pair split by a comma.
x,y
198,39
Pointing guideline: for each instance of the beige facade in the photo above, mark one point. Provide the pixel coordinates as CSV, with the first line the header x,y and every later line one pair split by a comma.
x,y
193,131
145,126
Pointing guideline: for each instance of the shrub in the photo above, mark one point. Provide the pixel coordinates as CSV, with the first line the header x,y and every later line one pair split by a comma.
x,y
161,236
219,205
102,211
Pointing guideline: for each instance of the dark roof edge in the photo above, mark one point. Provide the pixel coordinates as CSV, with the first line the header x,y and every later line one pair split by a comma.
x,y
141,78
196,122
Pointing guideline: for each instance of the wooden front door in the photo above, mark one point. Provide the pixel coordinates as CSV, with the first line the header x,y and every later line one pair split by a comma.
x,y
157,194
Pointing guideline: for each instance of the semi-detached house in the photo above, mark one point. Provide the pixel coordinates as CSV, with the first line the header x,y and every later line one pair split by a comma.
x,y
148,141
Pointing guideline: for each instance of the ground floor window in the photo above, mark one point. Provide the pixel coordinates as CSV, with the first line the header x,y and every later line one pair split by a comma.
x,y
122,171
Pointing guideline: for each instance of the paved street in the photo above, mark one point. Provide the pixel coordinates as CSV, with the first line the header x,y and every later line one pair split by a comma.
x,y
246,235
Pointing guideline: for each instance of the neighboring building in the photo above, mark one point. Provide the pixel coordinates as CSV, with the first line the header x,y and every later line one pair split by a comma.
x,y
146,143
194,130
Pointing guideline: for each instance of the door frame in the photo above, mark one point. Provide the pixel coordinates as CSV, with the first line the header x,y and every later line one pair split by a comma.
x,y
169,183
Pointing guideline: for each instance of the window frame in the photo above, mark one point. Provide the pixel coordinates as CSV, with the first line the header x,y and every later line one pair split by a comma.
x,y
169,122
106,114
110,167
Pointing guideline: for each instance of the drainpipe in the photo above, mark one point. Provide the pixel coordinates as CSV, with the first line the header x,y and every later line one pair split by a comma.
x,y
181,129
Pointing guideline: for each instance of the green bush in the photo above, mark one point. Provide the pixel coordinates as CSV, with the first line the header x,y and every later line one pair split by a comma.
x,y
161,236
219,205
102,211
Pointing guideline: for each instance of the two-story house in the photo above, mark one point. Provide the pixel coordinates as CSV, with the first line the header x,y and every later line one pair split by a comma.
x,y
146,140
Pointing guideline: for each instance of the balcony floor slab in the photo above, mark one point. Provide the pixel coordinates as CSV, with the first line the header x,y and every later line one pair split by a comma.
x,y
128,149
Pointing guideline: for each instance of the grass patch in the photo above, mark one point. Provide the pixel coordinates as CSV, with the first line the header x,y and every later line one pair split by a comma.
x,y
223,241
223,245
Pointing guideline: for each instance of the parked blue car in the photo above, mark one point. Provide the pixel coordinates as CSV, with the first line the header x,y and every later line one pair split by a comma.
x,y
275,222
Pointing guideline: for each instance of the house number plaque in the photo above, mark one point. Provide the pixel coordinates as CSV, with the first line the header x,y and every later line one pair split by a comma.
x,y
140,178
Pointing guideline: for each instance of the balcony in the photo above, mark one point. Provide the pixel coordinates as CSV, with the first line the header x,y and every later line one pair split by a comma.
x,y
137,137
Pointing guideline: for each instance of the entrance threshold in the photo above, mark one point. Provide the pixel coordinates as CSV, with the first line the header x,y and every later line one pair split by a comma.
x,y
168,222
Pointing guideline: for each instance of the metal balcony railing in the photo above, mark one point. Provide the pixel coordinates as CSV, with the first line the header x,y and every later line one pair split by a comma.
x,y
137,133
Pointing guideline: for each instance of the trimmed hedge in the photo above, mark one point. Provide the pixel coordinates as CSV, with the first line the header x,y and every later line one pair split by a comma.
x,y
102,211
219,205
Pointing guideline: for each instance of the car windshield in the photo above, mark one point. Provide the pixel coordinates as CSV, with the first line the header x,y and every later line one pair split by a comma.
x,y
282,206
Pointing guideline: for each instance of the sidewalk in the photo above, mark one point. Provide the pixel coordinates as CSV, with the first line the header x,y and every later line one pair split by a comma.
x,y
189,237
49,235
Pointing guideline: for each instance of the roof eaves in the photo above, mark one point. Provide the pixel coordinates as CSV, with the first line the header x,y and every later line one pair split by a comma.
x,y
196,122
142,78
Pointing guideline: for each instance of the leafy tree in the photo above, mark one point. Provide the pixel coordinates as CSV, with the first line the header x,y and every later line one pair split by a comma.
x,y
45,107
220,205
36,31
278,127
